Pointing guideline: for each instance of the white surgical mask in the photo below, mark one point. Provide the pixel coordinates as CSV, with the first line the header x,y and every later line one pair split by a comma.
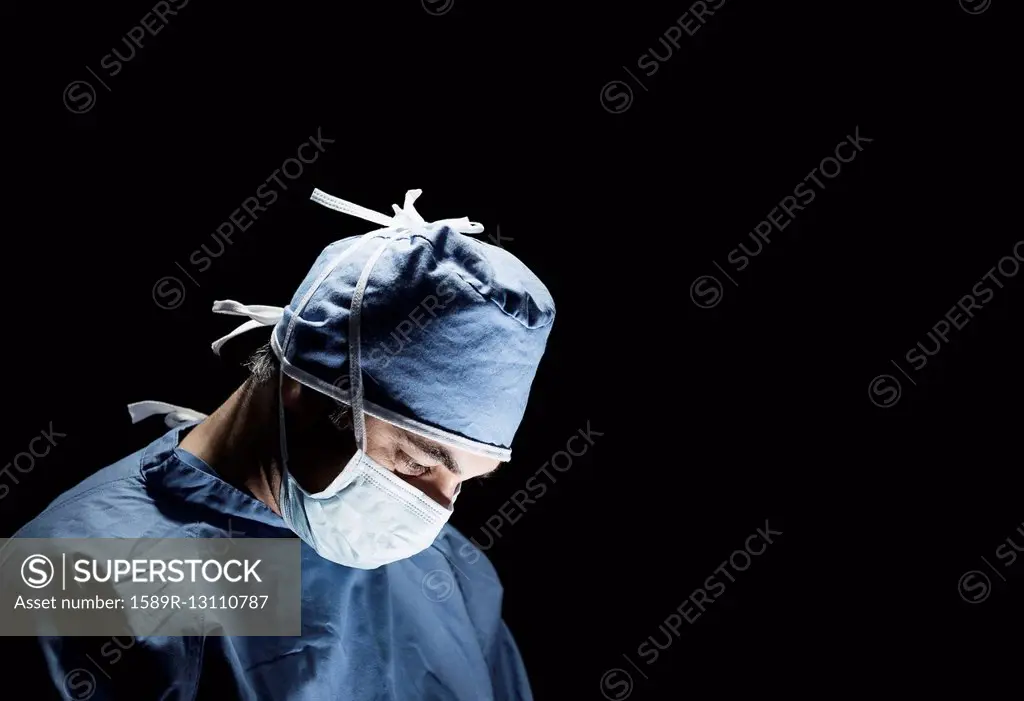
x,y
366,517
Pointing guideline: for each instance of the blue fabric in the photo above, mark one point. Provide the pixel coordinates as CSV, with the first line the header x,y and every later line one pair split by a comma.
x,y
424,628
453,329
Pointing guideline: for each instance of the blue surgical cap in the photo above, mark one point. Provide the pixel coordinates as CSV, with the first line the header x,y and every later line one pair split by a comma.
x,y
431,330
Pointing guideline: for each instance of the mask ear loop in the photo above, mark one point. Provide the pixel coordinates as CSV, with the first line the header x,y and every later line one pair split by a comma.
x,y
354,345
280,414
355,359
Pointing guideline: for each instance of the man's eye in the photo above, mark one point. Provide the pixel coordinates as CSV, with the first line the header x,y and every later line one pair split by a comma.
x,y
413,468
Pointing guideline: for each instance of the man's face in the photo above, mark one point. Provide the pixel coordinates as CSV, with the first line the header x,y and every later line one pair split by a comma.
x,y
433,468
319,447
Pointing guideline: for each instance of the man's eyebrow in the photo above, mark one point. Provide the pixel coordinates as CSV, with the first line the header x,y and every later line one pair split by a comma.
x,y
435,451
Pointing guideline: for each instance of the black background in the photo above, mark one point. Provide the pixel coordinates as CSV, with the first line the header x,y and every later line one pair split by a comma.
x,y
713,420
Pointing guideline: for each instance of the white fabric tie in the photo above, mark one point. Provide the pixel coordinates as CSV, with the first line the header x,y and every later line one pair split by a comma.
x,y
405,217
174,416
259,315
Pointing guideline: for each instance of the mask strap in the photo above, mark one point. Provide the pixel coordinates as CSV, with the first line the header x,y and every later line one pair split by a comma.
x,y
280,416
405,218
354,349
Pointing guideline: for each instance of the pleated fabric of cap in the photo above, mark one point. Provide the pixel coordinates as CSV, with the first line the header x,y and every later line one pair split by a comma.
x,y
425,327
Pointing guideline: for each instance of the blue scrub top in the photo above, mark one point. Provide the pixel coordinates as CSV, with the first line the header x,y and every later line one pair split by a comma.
x,y
367,635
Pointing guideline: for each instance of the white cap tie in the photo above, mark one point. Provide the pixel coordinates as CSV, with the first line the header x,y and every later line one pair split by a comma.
x,y
174,415
405,217
259,315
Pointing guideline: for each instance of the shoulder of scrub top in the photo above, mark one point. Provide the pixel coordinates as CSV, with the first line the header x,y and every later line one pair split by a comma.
x,y
110,503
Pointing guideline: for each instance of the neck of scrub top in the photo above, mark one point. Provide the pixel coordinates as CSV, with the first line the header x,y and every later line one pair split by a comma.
x,y
239,458
201,484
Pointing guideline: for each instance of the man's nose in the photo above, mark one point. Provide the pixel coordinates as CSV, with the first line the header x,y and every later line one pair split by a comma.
x,y
439,486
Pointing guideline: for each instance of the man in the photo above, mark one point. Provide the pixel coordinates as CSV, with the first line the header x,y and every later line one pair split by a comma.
x,y
400,369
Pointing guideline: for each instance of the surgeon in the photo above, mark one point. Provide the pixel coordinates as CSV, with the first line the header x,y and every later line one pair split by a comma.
x,y
399,370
